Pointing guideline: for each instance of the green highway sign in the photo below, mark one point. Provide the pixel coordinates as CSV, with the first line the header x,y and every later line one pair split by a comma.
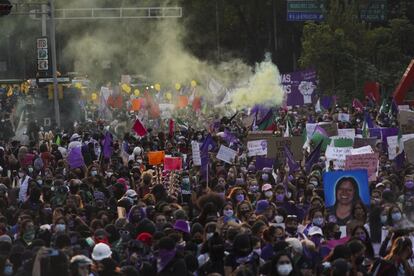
x,y
375,11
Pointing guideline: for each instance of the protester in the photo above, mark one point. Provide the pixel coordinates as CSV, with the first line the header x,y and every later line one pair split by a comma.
x,y
159,199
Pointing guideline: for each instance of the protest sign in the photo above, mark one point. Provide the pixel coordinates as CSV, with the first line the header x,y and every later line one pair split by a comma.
x,y
195,146
362,142
362,150
226,154
355,180
299,86
406,119
275,144
392,142
342,142
257,147
347,132
409,150
368,161
173,163
338,156
156,157
331,128
404,107
262,162
343,117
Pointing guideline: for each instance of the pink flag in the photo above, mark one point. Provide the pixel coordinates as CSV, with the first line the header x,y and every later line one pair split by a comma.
x,y
171,127
139,128
173,163
357,104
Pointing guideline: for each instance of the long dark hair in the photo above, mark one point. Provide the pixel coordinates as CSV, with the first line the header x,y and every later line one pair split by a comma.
x,y
369,250
354,183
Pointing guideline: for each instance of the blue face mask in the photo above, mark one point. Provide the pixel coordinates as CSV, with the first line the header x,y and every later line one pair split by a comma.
x,y
265,177
317,221
240,197
8,270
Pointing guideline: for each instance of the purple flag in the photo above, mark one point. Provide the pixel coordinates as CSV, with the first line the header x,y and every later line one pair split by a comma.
x,y
400,160
385,132
313,157
368,120
326,102
75,158
107,145
207,146
229,137
299,86
263,162
293,165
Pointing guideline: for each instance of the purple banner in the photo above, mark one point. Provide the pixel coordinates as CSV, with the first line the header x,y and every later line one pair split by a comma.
x,y
299,86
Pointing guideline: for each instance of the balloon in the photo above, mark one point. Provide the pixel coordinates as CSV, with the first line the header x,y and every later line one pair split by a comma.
x,y
136,92
177,86
78,85
193,83
157,87
94,96
168,96
125,87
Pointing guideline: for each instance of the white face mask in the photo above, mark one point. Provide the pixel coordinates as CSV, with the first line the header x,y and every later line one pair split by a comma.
x,y
268,194
228,213
279,219
209,235
284,269
21,174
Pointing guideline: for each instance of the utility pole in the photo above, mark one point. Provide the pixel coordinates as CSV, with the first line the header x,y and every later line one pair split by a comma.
x,y
218,30
54,62
44,19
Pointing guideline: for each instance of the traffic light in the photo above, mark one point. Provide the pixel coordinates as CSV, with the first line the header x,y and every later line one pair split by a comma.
x,y
5,7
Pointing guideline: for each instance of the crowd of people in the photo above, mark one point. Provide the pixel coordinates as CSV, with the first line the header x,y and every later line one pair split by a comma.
x,y
114,213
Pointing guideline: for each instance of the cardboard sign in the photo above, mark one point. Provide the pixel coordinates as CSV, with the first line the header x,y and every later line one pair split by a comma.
x,y
173,163
362,142
275,144
226,154
342,142
368,161
392,142
362,150
409,150
156,157
195,146
331,128
406,119
338,156
343,117
404,107
347,132
257,147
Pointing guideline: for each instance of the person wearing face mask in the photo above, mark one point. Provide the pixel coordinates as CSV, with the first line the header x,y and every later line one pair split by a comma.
x,y
280,265
267,192
361,233
23,183
315,218
27,233
407,198
237,195
228,214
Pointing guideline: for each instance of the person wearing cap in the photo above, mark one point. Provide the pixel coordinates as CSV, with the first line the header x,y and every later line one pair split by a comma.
x,y
102,254
267,192
80,265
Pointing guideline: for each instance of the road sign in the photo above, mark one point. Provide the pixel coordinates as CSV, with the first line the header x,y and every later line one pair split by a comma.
x,y
42,54
42,65
375,11
304,10
50,80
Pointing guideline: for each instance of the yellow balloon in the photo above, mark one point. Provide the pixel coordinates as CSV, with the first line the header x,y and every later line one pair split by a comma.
x,y
177,86
168,95
193,83
125,87
157,87
94,96
78,85
136,92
